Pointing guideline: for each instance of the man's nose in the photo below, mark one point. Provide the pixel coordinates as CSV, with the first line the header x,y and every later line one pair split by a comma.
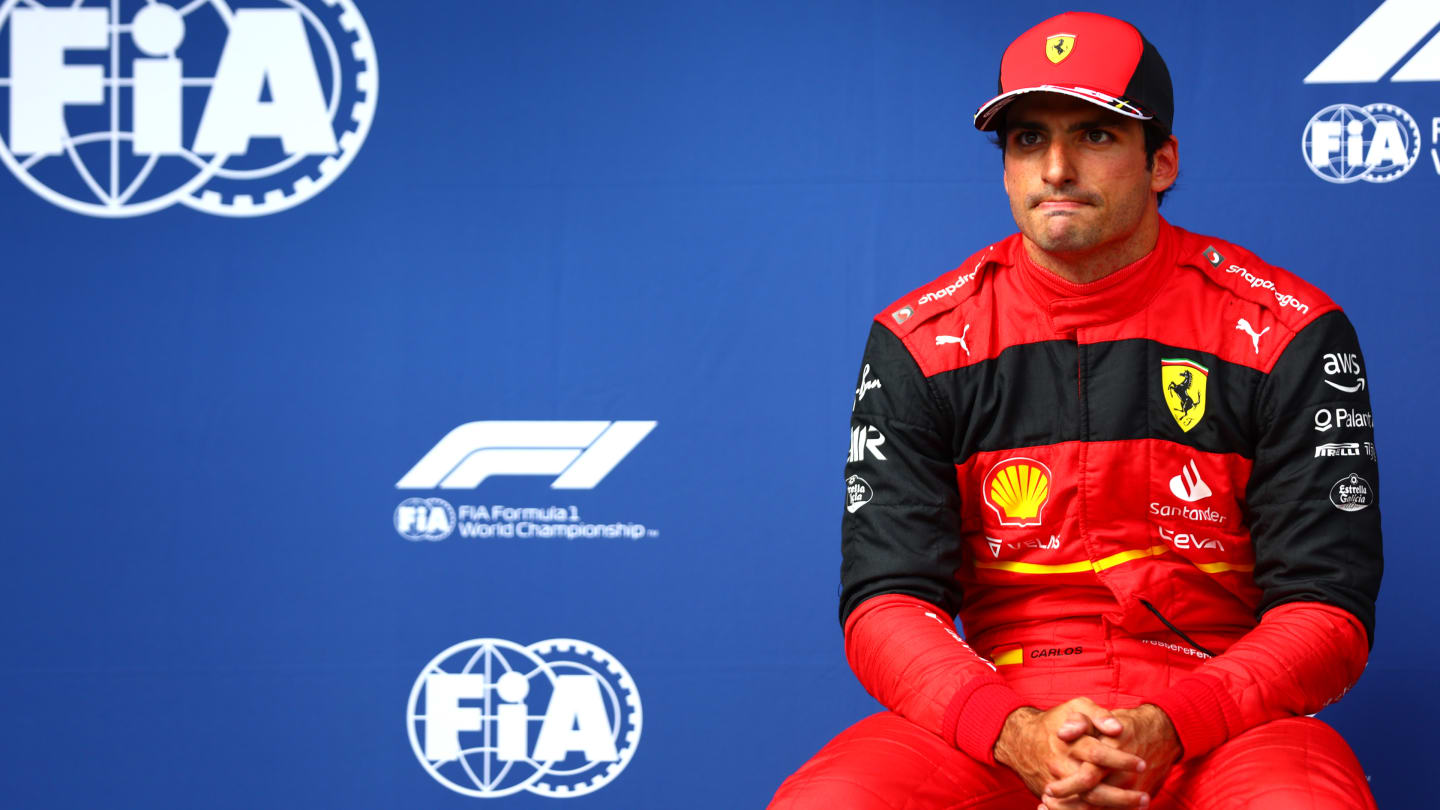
x,y
1059,166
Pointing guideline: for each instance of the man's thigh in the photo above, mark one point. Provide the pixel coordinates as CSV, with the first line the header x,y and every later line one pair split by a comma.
x,y
1298,763
885,762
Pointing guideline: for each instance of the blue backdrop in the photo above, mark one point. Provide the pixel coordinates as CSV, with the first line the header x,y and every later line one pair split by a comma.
x,y
670,211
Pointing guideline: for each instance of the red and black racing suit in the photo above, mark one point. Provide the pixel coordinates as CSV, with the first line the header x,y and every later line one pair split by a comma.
x,y
1155,488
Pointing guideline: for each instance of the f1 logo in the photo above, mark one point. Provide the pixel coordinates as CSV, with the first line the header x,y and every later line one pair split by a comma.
x,y
580,454
1385,37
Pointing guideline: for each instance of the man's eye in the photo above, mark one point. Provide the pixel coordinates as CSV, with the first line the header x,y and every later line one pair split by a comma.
x,y
1027,138
1097,136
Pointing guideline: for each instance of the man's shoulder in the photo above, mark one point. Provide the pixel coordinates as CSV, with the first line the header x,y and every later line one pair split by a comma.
x,y
947,292
1240,273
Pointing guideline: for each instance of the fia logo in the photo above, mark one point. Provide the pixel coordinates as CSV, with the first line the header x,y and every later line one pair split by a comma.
x,y
1377,143
580,454
424,518
119,108
490,718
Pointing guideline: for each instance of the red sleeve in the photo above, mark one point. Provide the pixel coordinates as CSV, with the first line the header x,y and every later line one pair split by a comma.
x,y
1302,657
907,655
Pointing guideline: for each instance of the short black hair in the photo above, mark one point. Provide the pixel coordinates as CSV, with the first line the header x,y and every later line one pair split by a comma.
x,y
1155,137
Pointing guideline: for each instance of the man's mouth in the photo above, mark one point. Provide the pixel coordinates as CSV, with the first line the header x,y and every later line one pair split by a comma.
x,y
1061,204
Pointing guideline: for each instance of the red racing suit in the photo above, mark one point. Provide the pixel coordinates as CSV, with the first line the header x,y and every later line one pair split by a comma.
x,y
1173,466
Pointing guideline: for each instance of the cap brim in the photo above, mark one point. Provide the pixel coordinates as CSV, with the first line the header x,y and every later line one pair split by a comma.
x,y
985,117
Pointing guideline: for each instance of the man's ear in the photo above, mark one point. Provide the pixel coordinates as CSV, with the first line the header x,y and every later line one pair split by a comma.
x,y
1167,165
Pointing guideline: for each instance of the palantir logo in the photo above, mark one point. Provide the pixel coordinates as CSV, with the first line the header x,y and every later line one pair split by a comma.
x,y
1377,143
1380,42
580,454
559,718
118,108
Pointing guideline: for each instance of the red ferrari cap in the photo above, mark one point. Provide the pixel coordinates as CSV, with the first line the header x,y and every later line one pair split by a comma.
x,y
1100,59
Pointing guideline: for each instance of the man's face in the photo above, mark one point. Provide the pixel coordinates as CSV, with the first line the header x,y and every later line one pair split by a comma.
x,y
1076,173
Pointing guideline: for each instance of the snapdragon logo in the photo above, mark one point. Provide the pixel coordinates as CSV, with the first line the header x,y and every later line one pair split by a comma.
x,y
118,108
953,288
491,718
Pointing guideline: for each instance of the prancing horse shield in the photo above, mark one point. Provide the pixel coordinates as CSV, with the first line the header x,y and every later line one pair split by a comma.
x,y
1183,383
1059,46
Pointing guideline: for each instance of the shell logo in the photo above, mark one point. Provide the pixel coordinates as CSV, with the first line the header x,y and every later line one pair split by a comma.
x,y
1017,489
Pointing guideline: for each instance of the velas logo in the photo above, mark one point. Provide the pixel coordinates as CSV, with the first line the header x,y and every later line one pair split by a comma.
x,y
558,718
1385,38
1058,47
1183,384
579,454
1377,143
1017,489
118,108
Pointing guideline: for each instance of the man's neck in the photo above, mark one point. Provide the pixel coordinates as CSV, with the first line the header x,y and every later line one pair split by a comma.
x,y
1093,265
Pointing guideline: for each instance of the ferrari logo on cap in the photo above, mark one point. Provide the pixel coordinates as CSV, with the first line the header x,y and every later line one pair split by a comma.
x,y
1059,46
1183,383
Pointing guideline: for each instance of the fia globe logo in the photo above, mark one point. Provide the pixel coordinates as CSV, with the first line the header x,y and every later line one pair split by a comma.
x,y
118,108
424,518
1376,143
490,718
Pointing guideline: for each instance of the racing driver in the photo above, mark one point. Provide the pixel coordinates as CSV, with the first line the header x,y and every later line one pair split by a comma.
x,y
1137,463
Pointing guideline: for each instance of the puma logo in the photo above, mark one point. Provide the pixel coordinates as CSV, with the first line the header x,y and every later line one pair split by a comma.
x,y
1244,326
941,340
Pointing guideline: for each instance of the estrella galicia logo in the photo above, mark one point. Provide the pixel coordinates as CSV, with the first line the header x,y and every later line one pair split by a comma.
x,y
579,454
424,518
559,718
1351,493
1376,143
118,108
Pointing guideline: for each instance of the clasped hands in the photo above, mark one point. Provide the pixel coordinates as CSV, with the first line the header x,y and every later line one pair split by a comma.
x,y
1080,755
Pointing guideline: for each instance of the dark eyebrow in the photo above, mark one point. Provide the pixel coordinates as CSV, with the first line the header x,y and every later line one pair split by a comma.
x,y
1094,123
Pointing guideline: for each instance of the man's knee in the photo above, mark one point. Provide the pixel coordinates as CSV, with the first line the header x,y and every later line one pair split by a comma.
x,y
886,762
1297,763
827,792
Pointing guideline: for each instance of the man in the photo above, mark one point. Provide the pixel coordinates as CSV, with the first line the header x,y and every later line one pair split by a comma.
x,y
1136,462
